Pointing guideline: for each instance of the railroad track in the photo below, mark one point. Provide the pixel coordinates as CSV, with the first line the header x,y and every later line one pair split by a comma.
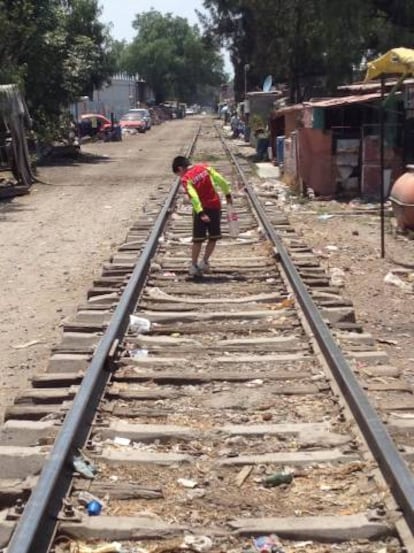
x,y
243,412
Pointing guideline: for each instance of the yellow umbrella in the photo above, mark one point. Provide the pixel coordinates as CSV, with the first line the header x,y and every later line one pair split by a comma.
x,y
398,61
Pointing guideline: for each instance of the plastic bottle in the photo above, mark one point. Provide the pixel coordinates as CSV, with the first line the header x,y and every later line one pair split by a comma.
x,y
267,544
233,221
85,497
94,508
277,479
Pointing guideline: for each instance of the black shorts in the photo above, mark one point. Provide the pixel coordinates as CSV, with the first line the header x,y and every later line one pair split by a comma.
x,y
212,229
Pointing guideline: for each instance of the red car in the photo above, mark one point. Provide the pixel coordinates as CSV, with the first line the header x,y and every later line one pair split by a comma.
x,y
96,124
133,121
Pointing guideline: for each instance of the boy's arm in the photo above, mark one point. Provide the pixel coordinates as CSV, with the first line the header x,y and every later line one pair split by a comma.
x,y
220,182
194,197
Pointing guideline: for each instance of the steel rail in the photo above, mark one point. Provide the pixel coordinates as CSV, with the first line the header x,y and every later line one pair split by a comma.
x,y
37,526
392,465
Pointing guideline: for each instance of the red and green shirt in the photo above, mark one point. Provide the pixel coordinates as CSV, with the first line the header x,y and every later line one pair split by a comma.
x,y
201,183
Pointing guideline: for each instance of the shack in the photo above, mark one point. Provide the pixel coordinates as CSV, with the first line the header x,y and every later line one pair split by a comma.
x,y
332,145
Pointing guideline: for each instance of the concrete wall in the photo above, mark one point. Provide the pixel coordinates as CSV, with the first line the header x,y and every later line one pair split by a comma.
x,y
122,94
118,97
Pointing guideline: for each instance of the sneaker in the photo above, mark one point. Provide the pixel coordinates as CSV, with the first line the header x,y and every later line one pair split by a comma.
x,y
204,267
194,271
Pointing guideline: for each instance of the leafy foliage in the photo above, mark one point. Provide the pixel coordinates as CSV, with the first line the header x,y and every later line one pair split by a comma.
x,y
119,52
234,24
172,57
313,46
56,50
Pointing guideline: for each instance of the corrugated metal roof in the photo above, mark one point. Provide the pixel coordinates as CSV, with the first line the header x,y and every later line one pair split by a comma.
x,y
345,100
374,85
331,102
276,93
362,86
288,109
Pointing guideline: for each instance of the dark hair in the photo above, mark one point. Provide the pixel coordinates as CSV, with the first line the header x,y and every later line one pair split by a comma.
x,y
180,161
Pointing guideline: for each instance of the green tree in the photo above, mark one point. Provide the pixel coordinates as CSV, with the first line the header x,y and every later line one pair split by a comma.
x,y
172,57
55,50
233,23
390,24
312,46
119,50
399,13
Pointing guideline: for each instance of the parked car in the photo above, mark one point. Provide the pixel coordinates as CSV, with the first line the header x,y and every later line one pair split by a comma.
x,y
97,125
133,121
145,114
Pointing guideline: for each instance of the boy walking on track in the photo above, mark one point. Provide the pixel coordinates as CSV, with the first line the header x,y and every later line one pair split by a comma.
x,y
201,182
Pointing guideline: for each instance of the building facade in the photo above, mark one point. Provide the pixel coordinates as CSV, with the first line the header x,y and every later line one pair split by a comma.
x,y
120,95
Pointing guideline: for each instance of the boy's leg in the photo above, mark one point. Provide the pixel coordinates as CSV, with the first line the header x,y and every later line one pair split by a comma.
x,y
199,235
214,234
195,252
211,244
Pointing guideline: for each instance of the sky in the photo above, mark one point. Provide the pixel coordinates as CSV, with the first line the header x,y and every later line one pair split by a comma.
x,y
121,13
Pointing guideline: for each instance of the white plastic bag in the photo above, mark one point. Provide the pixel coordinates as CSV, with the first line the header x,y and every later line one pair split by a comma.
x,y
233,221
139,325
392,278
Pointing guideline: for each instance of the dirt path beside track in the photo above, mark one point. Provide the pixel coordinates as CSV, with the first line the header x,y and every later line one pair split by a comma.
x,y
54,241
346,236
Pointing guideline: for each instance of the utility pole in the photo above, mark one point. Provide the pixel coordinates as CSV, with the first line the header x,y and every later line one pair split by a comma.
x,y
246,69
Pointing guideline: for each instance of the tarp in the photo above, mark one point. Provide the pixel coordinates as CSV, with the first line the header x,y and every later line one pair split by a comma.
x,y
11,101
398,61
14,114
